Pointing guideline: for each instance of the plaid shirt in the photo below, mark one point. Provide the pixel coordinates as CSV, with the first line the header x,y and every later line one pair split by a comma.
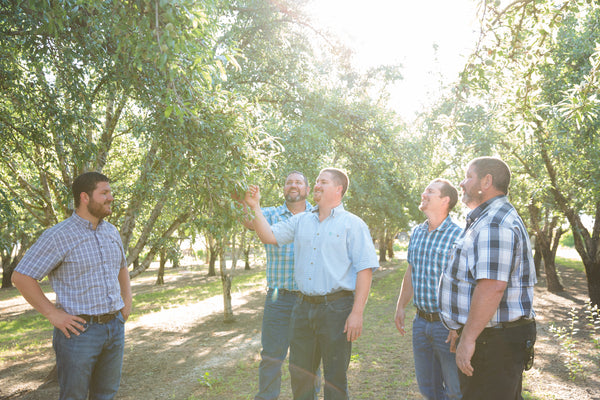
x,y
428,255
82,265
280,259
495,245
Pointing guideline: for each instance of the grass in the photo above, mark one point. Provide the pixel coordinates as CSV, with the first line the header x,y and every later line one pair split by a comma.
x,y
571,263
381,366
30,330
167,297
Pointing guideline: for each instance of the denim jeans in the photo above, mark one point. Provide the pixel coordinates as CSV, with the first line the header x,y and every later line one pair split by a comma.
x,y
318,333
435,365
498,363
90,362
275,339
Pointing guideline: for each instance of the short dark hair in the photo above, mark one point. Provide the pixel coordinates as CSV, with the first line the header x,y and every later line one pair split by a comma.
x,y
86,182
448,190
299,173
497,168
339,177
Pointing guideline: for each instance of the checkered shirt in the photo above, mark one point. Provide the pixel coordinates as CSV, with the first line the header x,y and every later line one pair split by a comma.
x,y
82,265
280,259
494,246
428,255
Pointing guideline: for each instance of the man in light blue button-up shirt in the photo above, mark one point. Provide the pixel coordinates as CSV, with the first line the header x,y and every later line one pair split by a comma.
x,y
282,290
334,263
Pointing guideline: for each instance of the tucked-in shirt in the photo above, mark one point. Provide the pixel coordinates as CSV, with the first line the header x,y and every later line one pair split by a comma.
x,y
495,245
329,253
428,255
82,265
280,259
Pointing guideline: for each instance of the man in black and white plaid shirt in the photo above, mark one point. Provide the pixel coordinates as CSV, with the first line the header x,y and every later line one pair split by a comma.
x,y
486,290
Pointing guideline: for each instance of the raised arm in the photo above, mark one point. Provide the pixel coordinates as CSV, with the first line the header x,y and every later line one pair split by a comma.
x,y
259,224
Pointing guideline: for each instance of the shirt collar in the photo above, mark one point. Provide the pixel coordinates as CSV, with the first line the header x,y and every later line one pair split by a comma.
x,y
287,211
84,222
443,226
476,212
337,210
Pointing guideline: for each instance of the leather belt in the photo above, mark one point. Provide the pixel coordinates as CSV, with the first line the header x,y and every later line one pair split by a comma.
x,y
511,324
325,298
429,317
99,319
503,325
285,291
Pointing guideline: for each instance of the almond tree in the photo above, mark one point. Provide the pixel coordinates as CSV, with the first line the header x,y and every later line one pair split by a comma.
x,y
536,72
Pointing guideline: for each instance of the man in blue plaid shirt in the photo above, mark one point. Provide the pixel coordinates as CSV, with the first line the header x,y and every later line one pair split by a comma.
x,y
85,263
428,254
486,291
281,288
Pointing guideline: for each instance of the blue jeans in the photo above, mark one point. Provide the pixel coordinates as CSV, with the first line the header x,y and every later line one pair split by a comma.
x,y
90,362
435,365
275,339
318,333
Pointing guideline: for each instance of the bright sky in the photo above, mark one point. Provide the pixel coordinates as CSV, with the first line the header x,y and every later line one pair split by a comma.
x,y
404,32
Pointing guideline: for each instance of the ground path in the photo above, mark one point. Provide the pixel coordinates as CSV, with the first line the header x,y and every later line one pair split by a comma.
x,y
169,351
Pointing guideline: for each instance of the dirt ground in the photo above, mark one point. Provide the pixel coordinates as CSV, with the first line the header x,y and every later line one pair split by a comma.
x,y
167,351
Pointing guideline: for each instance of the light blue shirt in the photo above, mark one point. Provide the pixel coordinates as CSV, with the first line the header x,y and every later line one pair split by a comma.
x,y
82,265
328,254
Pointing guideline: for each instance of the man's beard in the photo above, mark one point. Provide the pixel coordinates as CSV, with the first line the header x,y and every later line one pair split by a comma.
x,y
97,209
293,198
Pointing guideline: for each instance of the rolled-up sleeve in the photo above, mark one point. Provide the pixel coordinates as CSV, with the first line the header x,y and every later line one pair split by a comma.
x,y
284,231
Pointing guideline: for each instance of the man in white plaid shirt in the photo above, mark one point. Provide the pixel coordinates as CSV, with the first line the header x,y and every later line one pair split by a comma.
x,y
84,260
486,291
281,288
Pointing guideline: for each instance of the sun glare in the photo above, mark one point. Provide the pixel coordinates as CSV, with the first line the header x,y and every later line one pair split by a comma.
x,y
429,38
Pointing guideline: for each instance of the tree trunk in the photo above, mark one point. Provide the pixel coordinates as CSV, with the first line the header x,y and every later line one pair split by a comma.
x,y
212,257
247,257
546,243
226,279
552,282
9,263
593,275
166,234
390,245
382,248
7,270
587,245
160,279
537,258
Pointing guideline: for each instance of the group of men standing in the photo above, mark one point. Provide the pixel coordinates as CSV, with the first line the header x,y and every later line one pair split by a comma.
x,y
474,328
